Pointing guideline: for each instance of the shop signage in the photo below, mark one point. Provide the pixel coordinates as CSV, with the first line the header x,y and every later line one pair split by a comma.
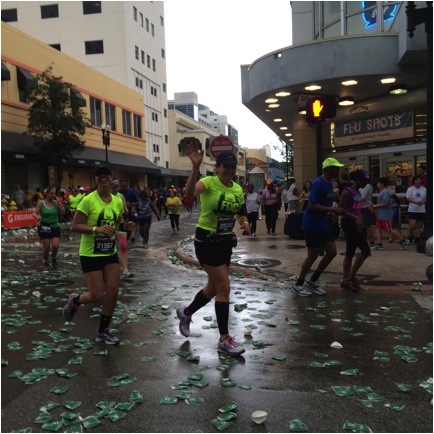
x,y
370,15
380,128
19,219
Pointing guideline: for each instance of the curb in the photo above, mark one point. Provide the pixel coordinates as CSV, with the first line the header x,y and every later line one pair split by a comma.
x,y
187,259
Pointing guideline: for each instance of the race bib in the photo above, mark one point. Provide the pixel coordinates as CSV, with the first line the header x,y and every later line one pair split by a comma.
x,y
44,228
225,225
172,208
104,245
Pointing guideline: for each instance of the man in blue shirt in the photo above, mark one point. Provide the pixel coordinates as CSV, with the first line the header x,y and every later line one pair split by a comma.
x,y
317,221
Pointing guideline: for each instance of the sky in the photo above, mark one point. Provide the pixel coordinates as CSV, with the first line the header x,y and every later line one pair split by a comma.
x,y
207,41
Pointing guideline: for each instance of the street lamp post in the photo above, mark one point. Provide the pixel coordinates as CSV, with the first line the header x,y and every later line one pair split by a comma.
x,y
106,139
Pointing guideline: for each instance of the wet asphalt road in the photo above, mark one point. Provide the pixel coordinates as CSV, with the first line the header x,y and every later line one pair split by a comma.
x,y
288,370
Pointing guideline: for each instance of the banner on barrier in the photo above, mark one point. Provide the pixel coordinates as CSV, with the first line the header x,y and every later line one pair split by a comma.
x,y
18,219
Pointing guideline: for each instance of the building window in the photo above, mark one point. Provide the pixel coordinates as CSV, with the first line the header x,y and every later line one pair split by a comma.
x,y
153,91
137,126
139,83
148,60
155,117
166,138
94,47
49,11
25,81
9,15
162,21
165,113
164,87
141,19
135,13
163,53
110,115
153,65
136,52
143,56
156,148
147,24
126,122
152,30
91,8
95,111
56,47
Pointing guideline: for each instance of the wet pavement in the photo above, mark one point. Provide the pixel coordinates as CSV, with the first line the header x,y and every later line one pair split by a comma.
x,y
289,369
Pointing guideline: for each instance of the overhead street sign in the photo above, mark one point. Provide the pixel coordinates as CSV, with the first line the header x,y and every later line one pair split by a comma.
x,y
221,144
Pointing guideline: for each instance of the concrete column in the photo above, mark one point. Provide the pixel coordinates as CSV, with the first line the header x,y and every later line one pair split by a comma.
x,y
304,150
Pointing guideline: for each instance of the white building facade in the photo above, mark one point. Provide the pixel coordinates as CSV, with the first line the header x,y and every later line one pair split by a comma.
x,y
123,40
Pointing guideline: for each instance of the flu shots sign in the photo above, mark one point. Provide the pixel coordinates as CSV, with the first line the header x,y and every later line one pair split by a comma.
x,y
379,128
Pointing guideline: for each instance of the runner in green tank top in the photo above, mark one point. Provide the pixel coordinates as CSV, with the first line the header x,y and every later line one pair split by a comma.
x,y
222,202
47,212
97,218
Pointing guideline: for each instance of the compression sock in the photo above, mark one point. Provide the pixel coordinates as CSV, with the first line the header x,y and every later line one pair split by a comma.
x,y
222,314
200,300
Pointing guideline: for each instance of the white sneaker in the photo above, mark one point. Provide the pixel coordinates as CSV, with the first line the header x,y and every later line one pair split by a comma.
x,y
301,291
254,235
317,288
127,274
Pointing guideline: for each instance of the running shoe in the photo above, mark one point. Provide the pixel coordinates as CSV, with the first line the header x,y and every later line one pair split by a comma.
x,y
350,285
127,274
71,307
301,290
107,338
404,243
230,347
317,288
145,245
184,321
377,247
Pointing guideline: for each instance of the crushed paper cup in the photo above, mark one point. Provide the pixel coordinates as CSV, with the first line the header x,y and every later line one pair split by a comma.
x,y
247,331
259,416
336,345
36,293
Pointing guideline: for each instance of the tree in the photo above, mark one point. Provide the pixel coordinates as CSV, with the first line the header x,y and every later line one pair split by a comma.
x,y
55,120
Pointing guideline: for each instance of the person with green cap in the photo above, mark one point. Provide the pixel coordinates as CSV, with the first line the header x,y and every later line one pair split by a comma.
x,y
317,227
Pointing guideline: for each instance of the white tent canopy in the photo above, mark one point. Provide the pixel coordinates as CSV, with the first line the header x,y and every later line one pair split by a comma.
x,y
256,170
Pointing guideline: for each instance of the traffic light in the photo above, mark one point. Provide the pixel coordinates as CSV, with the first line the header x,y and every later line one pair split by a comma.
x,y
321,108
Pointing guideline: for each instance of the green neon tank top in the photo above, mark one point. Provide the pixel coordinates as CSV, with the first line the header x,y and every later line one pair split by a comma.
x,y
99,213
219,205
